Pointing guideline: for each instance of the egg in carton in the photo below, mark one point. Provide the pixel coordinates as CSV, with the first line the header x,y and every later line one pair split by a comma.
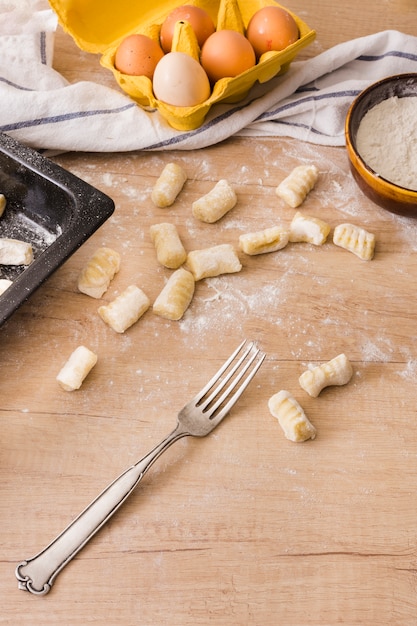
x,y
100,26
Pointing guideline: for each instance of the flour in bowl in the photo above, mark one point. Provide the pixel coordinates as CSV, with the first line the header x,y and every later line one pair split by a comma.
x,y
387,140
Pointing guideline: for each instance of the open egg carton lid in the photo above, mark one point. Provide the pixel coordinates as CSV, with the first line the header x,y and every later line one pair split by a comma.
x,y
47,207
99,26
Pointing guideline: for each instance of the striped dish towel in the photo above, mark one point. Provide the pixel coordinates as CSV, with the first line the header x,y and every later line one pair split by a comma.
x,y
40,108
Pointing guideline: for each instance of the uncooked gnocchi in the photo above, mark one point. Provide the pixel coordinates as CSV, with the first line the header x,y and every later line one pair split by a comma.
x,y
176,296
125,309
308,229
298,184
267,240
168,185
96,275
4,284
356,240
291,417
338,371
75,370
168,246
3,203
15,252
209,262
216,203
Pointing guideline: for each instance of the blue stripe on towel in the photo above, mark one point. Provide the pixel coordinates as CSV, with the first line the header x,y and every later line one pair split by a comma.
x,y
390,53
42,47
291,105
65,117
14,85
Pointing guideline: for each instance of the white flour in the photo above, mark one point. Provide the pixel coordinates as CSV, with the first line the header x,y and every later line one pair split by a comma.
x,y
387,140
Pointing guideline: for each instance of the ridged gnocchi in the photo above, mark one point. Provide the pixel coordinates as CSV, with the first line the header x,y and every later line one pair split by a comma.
x,y
298,184
168,186
291,417
126,309
267,240
338,371
97,274
304,228
170,251
355,239
216,203
176,296
209,262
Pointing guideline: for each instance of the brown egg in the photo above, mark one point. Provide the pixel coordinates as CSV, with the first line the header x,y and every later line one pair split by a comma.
x,y
200,21
138,55
271,28
226,53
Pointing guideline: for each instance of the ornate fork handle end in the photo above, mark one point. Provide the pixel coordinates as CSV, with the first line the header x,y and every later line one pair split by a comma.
x,y
25,582
38,573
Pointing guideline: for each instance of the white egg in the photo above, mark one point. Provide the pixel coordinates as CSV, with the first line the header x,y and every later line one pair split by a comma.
x,y
180,80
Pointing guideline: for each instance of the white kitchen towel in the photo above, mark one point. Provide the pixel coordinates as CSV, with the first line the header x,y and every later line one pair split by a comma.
x,y
40,108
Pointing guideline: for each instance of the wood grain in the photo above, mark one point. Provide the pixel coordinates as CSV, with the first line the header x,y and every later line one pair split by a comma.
x,y
242,527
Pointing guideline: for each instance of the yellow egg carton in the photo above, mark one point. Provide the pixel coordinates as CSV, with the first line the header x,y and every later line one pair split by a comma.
x,y
99,26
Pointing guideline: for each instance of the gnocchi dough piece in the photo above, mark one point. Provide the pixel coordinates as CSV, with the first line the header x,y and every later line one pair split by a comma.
x,y
96,275
15,252
291,417
176,296
168,246
126,309
355,239
3,203
209,262
216,203
4,284
338,371
79,364
168,185
268,240
298,184
308,229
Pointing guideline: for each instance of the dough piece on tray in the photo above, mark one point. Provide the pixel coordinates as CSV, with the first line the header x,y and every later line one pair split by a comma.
x,y
216,203
15,252
168,185
79,364
355,239
4,284
308,229
268,240
126,309
209,262
176,296
97,274
291,417
168,246
338,371
3,203
298,184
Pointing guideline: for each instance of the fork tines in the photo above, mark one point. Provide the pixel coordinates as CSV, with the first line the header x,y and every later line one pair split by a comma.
x,y
228,380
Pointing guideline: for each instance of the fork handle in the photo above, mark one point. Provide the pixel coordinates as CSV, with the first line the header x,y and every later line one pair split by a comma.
x,y
38,573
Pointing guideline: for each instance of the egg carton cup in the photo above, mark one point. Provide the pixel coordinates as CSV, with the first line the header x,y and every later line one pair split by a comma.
x,y
96,27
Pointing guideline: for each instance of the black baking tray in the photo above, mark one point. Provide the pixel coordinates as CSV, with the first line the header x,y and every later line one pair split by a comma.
x,y
47,206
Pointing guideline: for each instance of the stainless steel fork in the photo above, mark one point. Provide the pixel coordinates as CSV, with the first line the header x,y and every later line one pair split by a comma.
x,y
199,417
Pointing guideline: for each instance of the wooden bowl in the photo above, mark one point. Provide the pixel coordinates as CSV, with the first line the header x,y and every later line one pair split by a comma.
x,y
386,194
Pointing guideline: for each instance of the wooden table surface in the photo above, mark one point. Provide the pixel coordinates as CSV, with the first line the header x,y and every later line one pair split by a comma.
x,y
242,527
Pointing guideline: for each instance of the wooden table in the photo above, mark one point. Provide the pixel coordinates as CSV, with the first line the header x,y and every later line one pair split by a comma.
x,y
242,527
